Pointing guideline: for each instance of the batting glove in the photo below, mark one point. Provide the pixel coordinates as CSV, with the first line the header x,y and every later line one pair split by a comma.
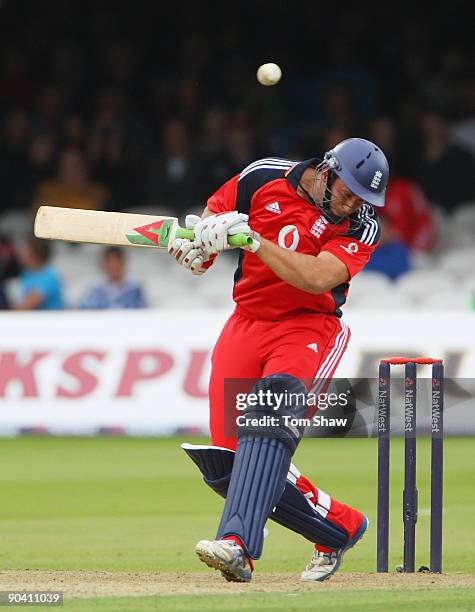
x,y
187,253
212,233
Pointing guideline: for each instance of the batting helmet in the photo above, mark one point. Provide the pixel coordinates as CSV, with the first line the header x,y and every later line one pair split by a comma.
x,y
362,166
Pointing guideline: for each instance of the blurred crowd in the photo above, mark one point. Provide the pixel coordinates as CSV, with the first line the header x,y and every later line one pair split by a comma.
x,y
124,112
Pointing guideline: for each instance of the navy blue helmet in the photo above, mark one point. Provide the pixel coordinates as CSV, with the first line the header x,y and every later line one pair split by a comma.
x,y
362,166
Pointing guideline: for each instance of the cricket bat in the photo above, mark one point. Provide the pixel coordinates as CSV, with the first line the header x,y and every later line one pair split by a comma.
x,y
114,228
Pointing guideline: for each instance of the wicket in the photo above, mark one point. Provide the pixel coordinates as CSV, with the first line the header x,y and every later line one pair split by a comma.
x,y
410,493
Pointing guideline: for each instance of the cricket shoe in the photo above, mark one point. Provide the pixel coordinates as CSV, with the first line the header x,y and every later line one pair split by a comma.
x,y
226,556
324,564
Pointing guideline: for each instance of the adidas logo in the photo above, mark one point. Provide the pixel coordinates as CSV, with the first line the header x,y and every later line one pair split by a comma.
x,y
313,346
274,207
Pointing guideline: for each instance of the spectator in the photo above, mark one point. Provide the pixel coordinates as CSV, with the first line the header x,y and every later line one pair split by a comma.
x,y
172,171
16,88
392,255
73,188
333,136
74,131
463,133
43,160
116,291
189,103
120,69
40,285
447,169
49,110
339,108
67,71
240,144
14,166
117,148
407,208
9,268
213,168
411,215
444,87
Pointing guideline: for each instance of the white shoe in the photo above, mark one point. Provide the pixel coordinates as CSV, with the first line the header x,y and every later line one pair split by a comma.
x,y
321,566
226,556
324,564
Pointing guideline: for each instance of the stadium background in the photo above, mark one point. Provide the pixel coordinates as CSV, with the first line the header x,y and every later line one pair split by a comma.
x,y
103,107
149,109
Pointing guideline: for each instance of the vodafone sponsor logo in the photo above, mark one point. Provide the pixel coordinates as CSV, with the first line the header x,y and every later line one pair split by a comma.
x,y
351,249
289,237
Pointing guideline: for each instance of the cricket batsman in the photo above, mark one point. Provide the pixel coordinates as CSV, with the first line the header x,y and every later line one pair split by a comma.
x,y
313,227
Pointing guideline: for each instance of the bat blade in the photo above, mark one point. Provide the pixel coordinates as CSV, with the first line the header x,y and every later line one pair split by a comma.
x,y
101,227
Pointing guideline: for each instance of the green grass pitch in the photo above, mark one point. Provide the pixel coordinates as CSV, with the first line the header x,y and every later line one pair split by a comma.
x,y
139,505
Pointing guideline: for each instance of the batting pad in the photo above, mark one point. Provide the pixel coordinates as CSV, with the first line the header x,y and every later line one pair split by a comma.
x,y
257,483
292,511
215,463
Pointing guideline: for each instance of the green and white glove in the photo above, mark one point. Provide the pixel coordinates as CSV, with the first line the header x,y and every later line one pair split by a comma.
x,y
213,232
186,252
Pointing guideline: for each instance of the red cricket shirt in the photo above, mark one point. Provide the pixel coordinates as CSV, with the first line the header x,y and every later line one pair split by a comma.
x,y
267,191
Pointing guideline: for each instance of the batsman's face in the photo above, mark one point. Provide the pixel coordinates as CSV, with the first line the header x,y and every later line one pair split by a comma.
x,y
343,201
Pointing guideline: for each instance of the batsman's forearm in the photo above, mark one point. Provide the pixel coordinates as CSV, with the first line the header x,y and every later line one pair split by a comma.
x,y
297,269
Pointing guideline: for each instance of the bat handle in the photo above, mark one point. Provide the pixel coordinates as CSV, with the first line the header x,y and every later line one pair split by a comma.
x,y
181,232
238,240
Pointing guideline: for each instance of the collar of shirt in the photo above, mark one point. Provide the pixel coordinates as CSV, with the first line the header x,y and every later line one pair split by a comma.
x,y
294,173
